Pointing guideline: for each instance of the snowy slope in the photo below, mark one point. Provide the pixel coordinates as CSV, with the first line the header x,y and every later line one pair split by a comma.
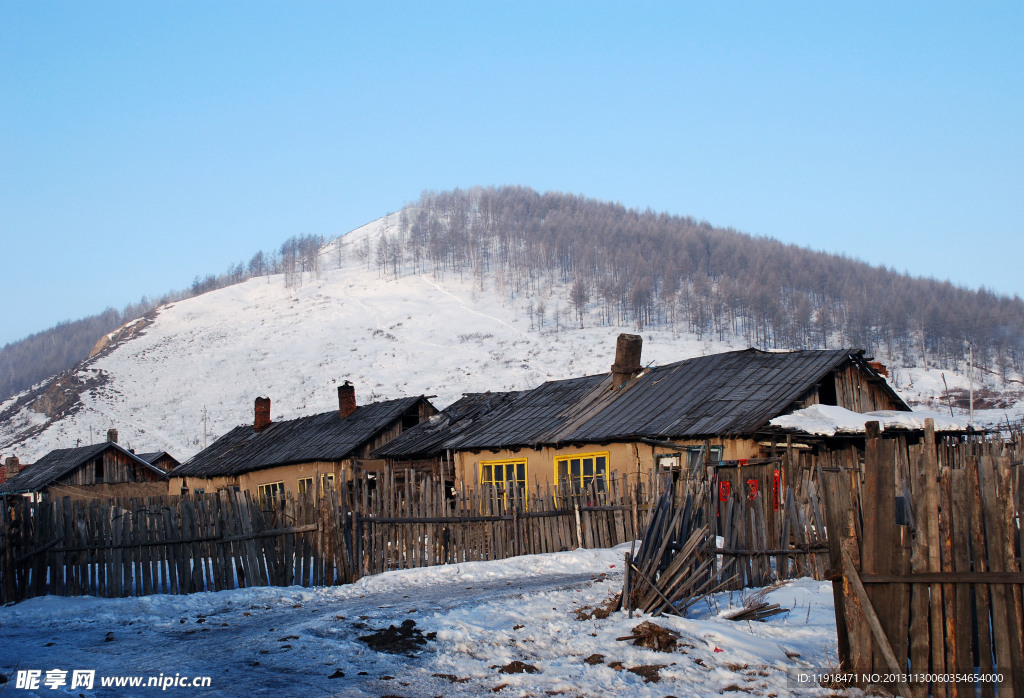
x,y
392,337
486,615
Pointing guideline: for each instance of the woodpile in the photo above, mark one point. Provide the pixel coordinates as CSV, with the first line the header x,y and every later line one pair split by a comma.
x,y
673,568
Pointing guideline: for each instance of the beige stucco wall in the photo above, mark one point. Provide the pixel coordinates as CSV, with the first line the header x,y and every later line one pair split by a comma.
x,y
623,458
288,474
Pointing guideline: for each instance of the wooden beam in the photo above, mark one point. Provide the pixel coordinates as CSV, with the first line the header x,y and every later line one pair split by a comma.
x,y
872,618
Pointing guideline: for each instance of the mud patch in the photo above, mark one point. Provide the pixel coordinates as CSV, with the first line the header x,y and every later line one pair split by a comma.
x,y
653,636
649,673
405,639
609,607
517,667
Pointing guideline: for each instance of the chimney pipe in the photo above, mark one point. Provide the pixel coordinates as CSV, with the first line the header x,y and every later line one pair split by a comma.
x,y
627,358
262,419
12,468
346,399
112,436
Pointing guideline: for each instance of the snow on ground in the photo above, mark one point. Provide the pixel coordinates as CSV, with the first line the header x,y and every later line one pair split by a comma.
x,y
481,616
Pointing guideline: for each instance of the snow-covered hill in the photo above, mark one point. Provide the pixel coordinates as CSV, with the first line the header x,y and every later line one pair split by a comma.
x,y
391,336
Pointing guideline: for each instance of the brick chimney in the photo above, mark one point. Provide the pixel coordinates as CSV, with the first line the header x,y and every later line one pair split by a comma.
x,y
262,419
346,399
11,467
112,436
627,358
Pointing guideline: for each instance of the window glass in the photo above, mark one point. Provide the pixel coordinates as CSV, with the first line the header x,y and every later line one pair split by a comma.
x,y
269,492
695,458
579,472
507,478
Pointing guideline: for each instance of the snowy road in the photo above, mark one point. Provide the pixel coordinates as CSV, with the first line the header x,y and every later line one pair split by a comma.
x,y
305,642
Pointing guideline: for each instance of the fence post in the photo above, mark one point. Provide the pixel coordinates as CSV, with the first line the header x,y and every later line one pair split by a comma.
x,y
627,591
579,523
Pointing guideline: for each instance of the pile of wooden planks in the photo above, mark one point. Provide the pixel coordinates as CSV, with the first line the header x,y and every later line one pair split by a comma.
x,y
672,569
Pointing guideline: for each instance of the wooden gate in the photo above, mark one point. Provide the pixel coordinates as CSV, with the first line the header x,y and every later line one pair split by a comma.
x,y
927,578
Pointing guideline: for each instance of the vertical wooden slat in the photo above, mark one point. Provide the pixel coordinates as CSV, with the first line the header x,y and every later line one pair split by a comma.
x,y
958,488
930,517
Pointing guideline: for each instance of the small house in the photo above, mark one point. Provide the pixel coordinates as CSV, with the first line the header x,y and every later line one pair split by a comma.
x,y
86,472
161,459
269,458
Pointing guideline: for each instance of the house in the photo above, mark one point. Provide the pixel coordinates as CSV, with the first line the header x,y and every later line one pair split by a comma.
x,y
161,459
269,458
423,447
673,418
86,472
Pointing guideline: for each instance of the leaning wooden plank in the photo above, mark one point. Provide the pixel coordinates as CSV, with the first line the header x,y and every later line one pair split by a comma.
x,y
853,578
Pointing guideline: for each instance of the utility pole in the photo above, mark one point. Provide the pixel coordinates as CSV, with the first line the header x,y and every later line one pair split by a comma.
x,y
204,427
970,376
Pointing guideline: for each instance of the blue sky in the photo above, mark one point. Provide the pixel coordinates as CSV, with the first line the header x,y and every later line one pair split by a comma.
x,y
142,144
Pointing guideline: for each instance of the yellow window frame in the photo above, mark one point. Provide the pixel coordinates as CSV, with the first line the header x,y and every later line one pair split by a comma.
x,y
305,485
269,492
581,469
495,473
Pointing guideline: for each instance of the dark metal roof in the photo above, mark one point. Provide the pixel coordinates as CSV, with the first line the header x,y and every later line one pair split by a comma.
x,y
319,437
58,463
524,421
722,394
429,436
153,457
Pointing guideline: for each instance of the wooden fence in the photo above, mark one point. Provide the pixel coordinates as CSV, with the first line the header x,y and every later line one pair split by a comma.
x,y
927,549
229,540
768,533
702,537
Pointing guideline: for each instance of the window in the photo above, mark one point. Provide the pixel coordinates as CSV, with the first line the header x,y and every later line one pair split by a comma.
x,y
577,472
695,459
327,483
305,485
505,476
98,472
269,493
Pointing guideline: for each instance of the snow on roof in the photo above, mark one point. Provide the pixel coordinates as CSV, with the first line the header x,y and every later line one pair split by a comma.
x,y
829,420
